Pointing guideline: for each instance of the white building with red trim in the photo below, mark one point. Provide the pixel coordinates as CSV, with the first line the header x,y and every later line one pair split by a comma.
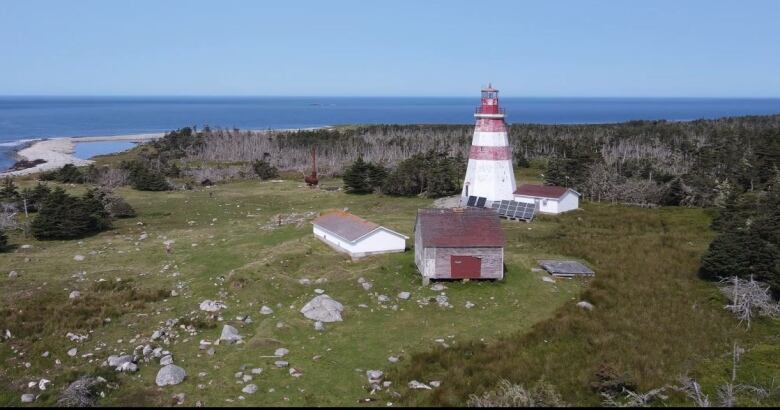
x,y
490,173
548,199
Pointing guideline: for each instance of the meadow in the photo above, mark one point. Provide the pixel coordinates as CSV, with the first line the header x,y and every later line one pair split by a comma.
x,y
653,319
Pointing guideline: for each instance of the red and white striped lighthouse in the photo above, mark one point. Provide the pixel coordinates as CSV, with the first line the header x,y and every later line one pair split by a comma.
x,y
490,173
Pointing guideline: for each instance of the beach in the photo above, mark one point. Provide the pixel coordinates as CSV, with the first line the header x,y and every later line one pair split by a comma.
x,y
60,151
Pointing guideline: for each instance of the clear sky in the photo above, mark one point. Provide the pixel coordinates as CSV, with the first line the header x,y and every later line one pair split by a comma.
x,y
401,48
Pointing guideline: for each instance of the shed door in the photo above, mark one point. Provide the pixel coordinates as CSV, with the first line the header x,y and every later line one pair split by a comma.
x,y
465,266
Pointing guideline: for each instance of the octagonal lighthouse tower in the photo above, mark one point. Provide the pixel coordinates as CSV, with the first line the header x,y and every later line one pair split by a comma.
x,y
489,173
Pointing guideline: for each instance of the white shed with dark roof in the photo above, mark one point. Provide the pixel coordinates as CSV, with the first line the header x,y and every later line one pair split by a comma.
x,y
355,236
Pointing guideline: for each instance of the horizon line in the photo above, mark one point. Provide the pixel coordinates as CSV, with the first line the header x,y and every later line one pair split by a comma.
x,y
371,96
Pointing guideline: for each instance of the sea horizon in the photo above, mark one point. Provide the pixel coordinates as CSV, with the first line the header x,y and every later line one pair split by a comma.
x,y
32,117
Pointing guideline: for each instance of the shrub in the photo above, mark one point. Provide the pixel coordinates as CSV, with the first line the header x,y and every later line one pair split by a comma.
x,y
431,174
114,205
35,196
363,177
144,178
9,193
63,216
512,395
264,169
68,174
3,241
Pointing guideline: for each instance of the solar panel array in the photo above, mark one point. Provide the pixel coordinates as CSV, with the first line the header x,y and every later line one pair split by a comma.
x,y
515,210
476,201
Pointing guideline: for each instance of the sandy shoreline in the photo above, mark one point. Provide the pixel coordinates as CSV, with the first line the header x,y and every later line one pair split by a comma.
x,y
59,151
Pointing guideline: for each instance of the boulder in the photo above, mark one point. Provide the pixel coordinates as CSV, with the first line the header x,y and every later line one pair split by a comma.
x,y
374,376
249,389
116,361
265,310
170,375
414,384
585,305
323,309
230,334
404,295
281,352
211,306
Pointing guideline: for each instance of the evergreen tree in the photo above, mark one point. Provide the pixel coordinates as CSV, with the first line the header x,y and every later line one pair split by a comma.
x,y
264,169
431,174
9,192
144,178
357,177
63,216
3,241
675,194
35,196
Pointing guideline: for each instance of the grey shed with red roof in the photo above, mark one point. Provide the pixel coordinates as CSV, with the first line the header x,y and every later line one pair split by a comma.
x,y
459,243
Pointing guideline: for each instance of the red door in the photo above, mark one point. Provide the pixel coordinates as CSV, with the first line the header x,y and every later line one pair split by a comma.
x,y
462,267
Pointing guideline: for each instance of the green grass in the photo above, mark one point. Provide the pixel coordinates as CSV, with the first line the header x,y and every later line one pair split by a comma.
x,y
239,262
654,320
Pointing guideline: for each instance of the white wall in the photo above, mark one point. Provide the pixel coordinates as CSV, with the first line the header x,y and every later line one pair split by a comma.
x,y
378,241
569,202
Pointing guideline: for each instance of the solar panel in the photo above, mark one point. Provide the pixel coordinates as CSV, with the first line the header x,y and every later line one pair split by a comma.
x,y
516,210
481,202
495,205
471,201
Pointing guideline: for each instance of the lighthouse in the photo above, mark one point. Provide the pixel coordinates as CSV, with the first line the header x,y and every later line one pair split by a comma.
x,y
489,173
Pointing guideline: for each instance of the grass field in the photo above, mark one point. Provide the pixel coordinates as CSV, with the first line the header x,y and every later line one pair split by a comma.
x,y
224,250
653,320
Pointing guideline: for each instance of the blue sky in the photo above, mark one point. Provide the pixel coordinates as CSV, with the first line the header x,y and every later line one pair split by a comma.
x,y
399,48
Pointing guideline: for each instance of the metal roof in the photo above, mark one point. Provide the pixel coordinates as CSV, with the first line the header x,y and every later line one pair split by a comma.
x,y
461,228
348,226
542,191
565,268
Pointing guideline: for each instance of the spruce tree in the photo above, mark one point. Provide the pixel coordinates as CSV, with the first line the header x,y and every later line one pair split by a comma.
x,y
9,193
357,178
3,241
264,169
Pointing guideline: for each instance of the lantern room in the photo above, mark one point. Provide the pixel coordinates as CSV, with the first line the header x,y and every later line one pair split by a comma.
x,y
489,107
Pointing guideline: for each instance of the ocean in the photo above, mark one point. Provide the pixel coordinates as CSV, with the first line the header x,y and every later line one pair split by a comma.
x,y
24,118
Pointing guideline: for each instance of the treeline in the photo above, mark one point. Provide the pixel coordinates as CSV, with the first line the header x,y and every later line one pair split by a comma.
x,y
431,174
57,214
694,163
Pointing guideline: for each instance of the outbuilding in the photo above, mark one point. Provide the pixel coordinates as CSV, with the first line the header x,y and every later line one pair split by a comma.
x,y
548,199
355,236
459,243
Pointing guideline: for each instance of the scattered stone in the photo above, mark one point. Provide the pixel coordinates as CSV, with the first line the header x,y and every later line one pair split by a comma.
x,y
469,305
45,354
74,295
178,398
246,378
265,310
249,389
76,338
442,300
585,305
73,352
78,258
366,285
295,372
319,291
304,281
211,306
12,274
166,360
374,376
230,334
393,359
548,279
281,352
414,384
319,326
438,287
404,295
324,309
43,384
257,370
281,363
435,383
383,298
128,367
26,246
116,361
28,398
170,375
